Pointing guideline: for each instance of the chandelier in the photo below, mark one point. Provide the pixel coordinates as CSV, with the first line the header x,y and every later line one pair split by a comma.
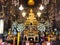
x,y
21,7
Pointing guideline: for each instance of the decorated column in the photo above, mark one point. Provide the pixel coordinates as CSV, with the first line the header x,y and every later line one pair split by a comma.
x,y
18,38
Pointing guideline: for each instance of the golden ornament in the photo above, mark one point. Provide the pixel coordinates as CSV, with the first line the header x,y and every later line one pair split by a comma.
x,y
31,2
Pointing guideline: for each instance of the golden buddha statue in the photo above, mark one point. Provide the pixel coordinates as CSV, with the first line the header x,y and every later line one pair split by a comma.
x,y
31,32
31,19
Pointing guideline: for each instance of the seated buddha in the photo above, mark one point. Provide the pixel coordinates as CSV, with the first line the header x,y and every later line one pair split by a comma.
x,y
31,19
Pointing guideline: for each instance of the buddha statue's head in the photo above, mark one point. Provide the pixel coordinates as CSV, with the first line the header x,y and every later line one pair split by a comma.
x,y
31,14
31,11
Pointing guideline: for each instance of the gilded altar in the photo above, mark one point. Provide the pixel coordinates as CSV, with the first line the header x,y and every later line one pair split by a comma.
x,y
30,33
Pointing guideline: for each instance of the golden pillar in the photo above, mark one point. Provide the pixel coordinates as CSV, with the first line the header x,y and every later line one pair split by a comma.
x,y
18,38
48,38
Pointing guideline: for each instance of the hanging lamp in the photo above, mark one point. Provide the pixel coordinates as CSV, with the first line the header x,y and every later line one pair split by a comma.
x,y
23,13
21,7
38,14
41,7
31,2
